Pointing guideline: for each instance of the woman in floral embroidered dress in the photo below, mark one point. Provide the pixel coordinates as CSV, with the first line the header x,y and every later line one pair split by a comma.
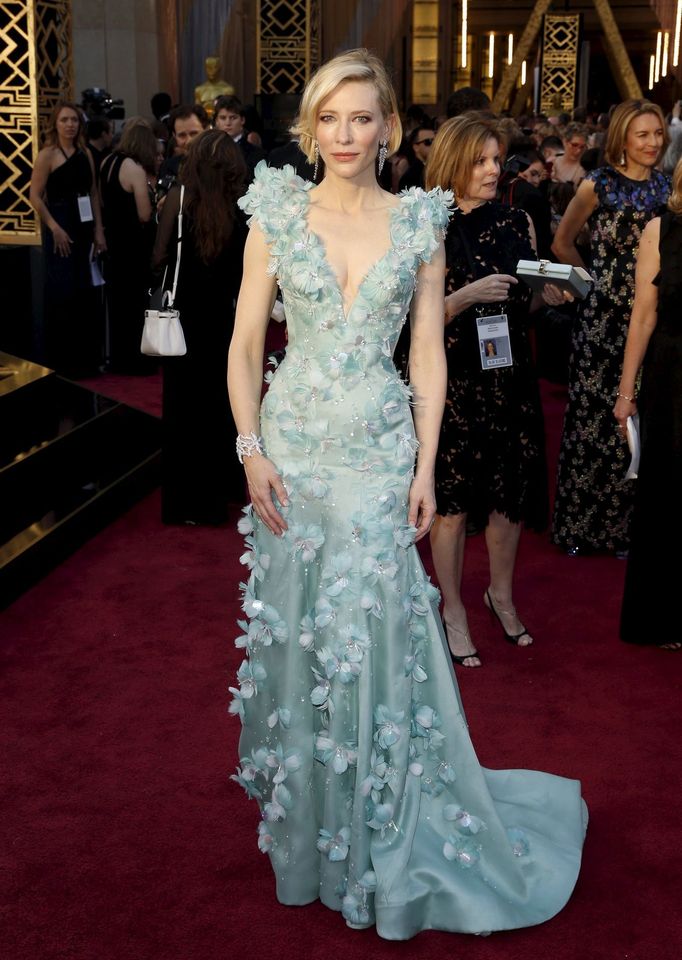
x,y
594,501
353,740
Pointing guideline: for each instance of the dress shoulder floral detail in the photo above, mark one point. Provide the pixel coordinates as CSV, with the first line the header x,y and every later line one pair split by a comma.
x,y
353,741
593,504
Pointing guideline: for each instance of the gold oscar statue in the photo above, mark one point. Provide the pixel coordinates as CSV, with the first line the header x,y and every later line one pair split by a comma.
x,y
206,93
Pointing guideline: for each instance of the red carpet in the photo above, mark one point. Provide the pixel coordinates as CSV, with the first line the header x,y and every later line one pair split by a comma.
x,y
123,839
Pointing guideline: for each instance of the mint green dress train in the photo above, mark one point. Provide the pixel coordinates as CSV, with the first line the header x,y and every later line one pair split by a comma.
x,y
354,741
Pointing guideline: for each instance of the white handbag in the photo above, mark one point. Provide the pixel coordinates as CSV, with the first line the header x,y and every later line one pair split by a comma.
x,y
162,335
537,273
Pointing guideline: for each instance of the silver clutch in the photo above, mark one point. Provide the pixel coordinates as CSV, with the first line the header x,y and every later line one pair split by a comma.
x,y
536,273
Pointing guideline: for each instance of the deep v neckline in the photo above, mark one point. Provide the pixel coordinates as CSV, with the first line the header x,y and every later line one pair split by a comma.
x,y
316,238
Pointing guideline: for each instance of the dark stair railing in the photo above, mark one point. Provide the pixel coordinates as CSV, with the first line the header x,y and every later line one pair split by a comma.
x,y
70,462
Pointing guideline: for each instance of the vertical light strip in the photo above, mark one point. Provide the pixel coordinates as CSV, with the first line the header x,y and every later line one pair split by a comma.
x,y
491,56
465,15
652,63
664,64
676,39
523,72
510,48
657,64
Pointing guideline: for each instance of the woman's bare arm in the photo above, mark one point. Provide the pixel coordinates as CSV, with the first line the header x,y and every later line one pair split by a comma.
x,y
642,321
578,212
428,377
41,171
245,375
133,178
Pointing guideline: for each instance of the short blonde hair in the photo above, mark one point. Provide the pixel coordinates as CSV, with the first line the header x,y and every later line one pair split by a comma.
x,y
622,117
359,65
675,201
458,145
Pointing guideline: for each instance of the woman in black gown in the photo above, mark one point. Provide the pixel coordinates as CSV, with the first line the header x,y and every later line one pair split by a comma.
x,y
64,195
126,179
490,471
201,474
654,343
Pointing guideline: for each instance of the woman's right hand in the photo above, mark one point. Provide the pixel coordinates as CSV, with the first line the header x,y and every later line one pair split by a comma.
x,y
492,289
263,480
62,241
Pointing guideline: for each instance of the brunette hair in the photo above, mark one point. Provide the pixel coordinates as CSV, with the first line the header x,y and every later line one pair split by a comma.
x,y
230,104
621,119
675,201
456,149
51,135
213,174
139,143
184,112
361,66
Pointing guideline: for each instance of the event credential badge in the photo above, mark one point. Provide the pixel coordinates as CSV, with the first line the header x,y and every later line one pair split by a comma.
x,y
493,341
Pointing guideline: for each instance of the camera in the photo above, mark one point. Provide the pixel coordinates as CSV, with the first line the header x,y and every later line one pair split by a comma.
x,y
97,102
164,184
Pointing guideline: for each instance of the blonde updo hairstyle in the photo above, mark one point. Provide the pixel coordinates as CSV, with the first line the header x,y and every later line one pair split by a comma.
x,y
354,65
622,117
458,145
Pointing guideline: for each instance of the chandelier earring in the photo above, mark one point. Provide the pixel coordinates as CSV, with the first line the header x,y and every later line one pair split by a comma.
x,y
623,159
383,153
317,161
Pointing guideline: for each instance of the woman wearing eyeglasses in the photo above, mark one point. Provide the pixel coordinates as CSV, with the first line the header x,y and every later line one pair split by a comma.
x,y
420,140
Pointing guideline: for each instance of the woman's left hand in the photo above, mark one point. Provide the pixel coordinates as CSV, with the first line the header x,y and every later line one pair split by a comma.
x,y
422,510
100,241
555,296
623,409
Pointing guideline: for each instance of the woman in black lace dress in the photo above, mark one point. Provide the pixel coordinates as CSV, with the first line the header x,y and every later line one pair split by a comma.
x,y
490,471
650,614
593,502
64,194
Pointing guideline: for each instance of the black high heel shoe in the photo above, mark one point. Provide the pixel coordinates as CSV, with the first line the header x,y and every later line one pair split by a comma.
x,y
509,637
456,659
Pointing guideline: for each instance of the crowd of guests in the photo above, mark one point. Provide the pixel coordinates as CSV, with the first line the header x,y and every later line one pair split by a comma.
x,y
580,189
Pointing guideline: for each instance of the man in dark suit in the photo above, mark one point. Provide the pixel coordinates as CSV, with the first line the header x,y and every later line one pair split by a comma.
x,y
420,140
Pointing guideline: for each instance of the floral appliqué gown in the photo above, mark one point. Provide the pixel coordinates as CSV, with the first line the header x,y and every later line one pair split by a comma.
x,y
354,741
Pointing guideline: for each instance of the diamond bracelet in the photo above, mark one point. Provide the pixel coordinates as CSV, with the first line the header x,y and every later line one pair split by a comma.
x,y
248,444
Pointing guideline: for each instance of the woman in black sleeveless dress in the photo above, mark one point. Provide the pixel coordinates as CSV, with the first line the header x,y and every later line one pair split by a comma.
x,y
64,194
125,183
593,501
200,471
649,613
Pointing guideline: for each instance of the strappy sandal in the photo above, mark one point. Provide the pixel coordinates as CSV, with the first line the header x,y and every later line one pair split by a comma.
x,y
509,637
460,660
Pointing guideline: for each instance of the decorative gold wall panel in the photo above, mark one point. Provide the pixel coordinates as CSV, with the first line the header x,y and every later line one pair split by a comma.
x,y
288,44
53,54
35,69
560,49
425,33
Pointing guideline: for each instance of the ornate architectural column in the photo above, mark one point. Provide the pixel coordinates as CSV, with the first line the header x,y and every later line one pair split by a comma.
x,y
35,71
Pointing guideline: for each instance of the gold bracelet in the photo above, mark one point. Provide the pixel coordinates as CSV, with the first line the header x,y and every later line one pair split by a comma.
x,y
624,396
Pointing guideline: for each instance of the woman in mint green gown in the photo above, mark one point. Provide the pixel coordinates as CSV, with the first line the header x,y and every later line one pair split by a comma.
x,y
354,742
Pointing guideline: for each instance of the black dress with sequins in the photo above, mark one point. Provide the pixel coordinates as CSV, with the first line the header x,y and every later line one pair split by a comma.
x,y
491,455
650,614
594,501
